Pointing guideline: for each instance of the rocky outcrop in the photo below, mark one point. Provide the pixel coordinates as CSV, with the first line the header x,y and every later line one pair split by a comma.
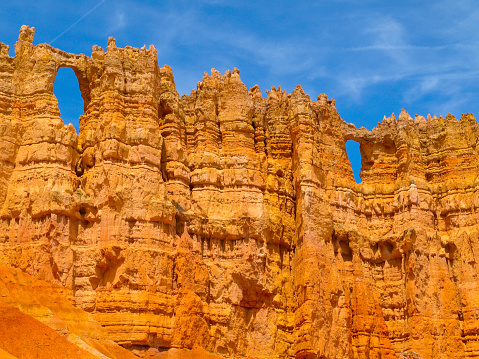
x,y
231,222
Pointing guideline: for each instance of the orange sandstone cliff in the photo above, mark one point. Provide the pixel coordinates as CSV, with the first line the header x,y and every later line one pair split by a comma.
x,y
229,223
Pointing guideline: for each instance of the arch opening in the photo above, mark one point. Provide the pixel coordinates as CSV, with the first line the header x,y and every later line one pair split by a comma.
x,y
66,89
354,156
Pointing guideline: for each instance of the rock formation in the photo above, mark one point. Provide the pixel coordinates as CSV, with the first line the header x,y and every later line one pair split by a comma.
x,y
231,223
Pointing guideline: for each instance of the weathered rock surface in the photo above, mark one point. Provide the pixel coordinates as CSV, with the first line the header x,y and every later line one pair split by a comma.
x,y
230,222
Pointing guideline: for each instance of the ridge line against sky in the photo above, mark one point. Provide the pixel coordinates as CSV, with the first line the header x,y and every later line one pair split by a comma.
x,y
373,58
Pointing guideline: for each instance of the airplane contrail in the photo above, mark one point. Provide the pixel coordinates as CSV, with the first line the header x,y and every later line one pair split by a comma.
x,y
76,22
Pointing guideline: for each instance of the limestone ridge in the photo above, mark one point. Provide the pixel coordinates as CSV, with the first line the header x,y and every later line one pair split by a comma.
x,y
231,222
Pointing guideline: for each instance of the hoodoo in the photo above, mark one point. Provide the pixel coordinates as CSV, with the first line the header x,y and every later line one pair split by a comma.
x,y
226,224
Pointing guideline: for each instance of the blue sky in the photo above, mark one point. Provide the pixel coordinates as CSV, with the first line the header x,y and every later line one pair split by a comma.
x,y
373,57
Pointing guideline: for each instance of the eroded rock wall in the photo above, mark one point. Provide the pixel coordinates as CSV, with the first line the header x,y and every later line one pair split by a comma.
x,y
232,222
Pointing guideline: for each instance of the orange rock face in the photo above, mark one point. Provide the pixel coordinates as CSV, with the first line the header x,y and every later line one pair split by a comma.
x,y
231,224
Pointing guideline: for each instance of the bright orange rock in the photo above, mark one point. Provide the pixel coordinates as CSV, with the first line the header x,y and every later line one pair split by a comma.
x,y
231,223
46,308
21,336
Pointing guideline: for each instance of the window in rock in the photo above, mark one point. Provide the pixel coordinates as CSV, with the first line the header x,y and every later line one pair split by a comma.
x,y
67,92
354,156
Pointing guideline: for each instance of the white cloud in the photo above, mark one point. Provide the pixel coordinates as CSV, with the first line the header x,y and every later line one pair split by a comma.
x,y
387,32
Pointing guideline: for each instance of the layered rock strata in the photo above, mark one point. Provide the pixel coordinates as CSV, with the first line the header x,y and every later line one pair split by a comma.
x,y
230,222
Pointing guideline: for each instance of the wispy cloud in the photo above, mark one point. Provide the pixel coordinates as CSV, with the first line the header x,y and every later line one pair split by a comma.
x,y
412,47
389,51
117,21
279,56
222,43
386,32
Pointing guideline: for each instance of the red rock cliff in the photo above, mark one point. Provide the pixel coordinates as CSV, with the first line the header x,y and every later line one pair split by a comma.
x,y
231,222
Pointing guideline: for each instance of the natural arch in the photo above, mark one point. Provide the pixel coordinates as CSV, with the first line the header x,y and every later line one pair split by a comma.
x,y
66,89
354,156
